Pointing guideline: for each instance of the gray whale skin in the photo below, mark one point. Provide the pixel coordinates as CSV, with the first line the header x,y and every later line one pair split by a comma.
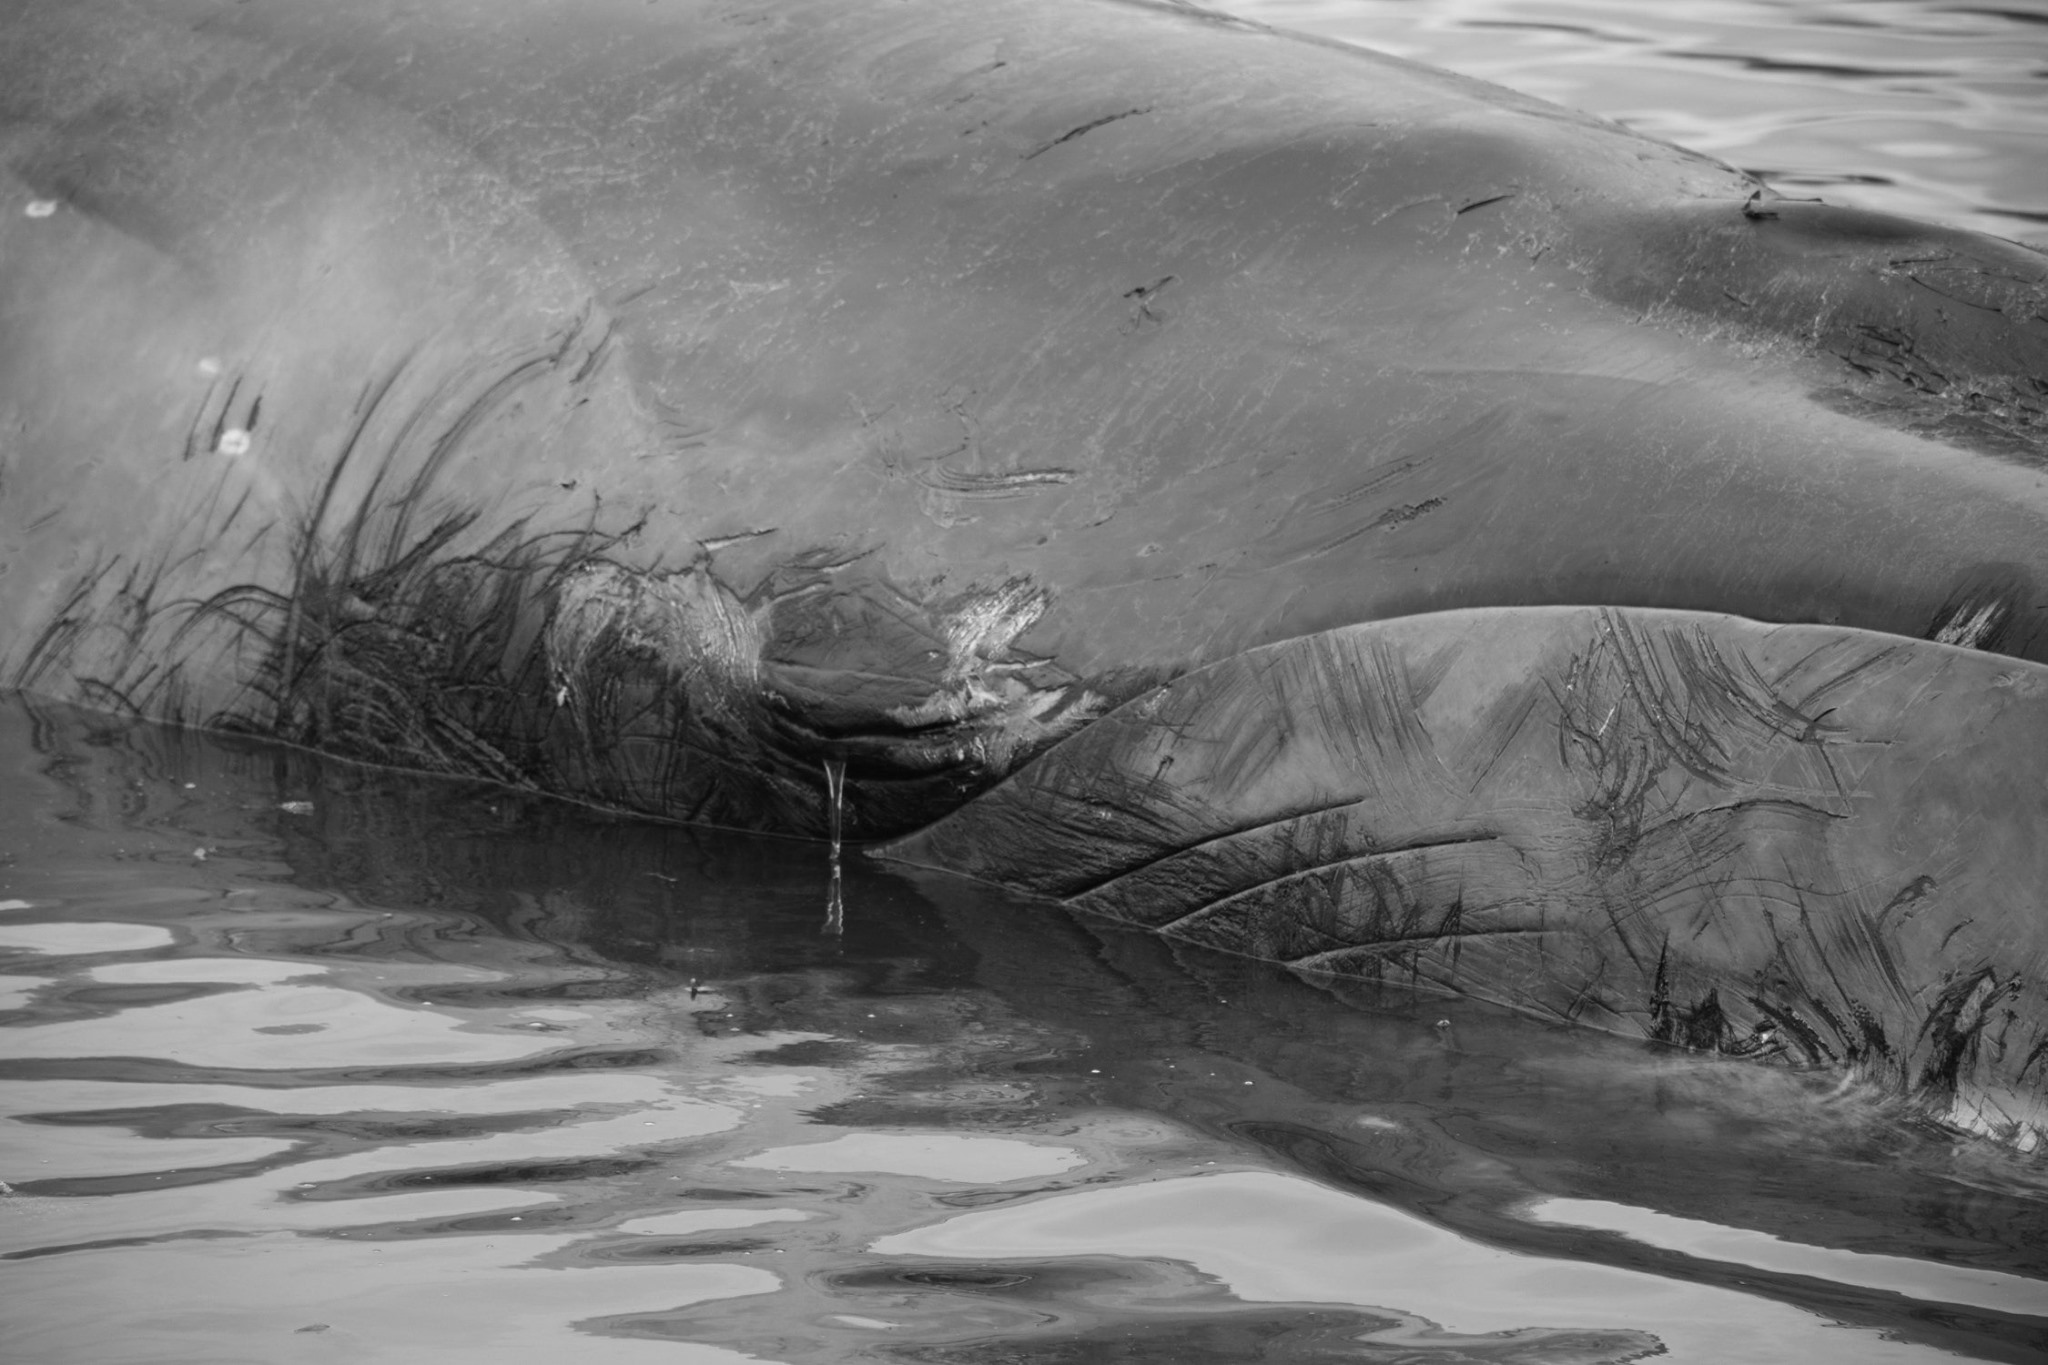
x,y
1307,503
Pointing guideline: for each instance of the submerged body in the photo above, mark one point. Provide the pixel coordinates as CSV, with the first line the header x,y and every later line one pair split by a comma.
x,y
1792,842
657,404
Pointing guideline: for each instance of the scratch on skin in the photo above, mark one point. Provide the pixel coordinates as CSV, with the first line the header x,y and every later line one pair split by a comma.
x,y
937,476
1002,715
1003,483
1393,519
687,620
1144,315
1088,127
1508,730
1954,1022
1665,703
1396,517
1974,284
1912,891
1489,199
1366,489
983,626
1839,680
1952,296
717,543
1973,625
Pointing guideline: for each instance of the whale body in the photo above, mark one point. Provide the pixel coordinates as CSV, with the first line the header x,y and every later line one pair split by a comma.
x,y
677,406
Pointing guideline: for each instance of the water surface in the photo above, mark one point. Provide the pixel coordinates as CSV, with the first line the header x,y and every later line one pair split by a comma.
x,y
308,1062
1933,108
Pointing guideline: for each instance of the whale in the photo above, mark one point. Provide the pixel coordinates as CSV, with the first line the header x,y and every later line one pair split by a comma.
x,y
1199,473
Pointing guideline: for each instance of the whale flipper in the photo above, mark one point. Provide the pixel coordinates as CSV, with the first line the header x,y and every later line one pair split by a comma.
x,y
1805,841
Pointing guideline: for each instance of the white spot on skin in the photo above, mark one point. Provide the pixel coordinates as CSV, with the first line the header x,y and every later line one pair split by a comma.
x,y
234,441
40,208
209,368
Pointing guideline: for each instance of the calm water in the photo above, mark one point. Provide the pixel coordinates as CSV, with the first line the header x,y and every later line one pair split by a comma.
x,y
300,1062
1934,108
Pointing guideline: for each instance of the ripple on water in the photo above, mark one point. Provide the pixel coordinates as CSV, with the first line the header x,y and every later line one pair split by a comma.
x,y
1273,1238
433,1078
926,1156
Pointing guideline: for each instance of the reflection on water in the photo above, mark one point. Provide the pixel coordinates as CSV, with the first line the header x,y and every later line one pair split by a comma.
x,y
303,1062
1933,108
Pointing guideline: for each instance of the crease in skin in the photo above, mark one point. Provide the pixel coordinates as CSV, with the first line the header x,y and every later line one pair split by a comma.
x,y
1370,862
1328,960
1163,853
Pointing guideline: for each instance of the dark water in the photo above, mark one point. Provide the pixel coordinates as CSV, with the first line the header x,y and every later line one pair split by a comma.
x,y
300,1062
308,1062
